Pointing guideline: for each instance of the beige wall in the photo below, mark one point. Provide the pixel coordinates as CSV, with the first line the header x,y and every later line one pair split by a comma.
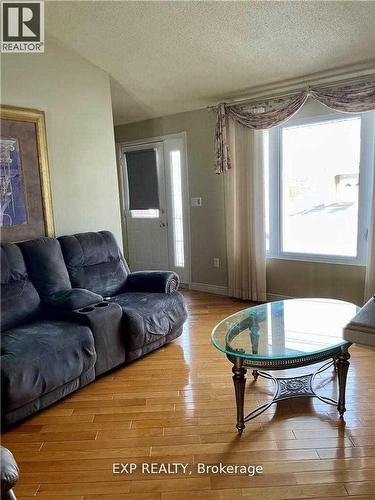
x,y
315,279
75,96
206,222
285,278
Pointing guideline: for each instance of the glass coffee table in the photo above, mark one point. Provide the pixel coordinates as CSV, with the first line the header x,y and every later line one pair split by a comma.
x,y
282,335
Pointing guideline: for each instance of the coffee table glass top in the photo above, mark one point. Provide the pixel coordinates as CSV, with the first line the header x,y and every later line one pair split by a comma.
x,y
284,329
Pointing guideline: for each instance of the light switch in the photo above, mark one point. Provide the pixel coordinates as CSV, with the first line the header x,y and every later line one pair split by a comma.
x,y
196,202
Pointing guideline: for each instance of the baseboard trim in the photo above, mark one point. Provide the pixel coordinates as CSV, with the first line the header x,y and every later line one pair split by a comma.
x,y
205,287
223,290
272,297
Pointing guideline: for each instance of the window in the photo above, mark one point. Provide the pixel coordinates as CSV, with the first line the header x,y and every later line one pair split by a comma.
x,y
151,213
143,196
318,188
177,212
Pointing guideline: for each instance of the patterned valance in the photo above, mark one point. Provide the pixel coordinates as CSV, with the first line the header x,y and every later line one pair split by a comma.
x,y
349,98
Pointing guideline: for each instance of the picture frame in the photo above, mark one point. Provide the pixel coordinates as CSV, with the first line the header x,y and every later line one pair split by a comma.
x,y
26,210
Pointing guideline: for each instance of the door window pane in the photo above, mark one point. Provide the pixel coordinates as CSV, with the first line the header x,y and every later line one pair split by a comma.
x,y
319,187
178,228
142,180
151,213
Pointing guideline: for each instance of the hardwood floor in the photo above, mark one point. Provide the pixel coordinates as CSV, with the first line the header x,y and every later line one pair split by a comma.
x,y
177,405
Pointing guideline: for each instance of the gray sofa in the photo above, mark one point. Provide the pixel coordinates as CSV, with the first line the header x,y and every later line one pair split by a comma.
x,y
42,359
58,333
153,312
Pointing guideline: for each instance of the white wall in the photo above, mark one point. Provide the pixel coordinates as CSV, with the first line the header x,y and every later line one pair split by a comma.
x,y
75,96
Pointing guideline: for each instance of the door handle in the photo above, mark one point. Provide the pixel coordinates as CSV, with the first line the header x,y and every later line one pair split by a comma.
x,y
162,224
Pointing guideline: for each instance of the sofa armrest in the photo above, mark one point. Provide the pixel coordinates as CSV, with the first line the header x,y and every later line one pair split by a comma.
x,y
152,281
105,322
9,473
69,300
361,329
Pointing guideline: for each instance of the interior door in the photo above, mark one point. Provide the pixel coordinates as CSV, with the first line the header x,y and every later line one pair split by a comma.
x,y
145,206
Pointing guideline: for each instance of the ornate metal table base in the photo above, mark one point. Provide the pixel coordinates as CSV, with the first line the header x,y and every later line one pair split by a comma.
x,y
289,387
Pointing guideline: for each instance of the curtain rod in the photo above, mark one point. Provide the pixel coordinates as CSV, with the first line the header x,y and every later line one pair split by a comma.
x,y
273,94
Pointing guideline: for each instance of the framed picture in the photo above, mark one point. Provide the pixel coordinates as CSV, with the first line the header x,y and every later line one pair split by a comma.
x,y
25,192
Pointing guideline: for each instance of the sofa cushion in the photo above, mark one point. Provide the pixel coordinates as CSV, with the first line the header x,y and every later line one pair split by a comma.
x,y
40,357
20,301
149,316
94,261
46,266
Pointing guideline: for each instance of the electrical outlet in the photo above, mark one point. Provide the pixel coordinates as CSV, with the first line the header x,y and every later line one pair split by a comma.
x,y
196,202
216,262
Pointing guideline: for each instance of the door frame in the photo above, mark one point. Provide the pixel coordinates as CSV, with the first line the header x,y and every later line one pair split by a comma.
x,y
121,146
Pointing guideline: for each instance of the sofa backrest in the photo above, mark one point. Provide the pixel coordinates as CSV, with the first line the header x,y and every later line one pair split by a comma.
x,y
20,302
95,262
46,266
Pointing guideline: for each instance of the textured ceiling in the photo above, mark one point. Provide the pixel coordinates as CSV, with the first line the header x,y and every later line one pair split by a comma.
x,y
167,57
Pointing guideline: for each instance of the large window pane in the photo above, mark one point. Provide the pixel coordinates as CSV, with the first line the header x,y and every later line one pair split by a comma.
x,y
319,187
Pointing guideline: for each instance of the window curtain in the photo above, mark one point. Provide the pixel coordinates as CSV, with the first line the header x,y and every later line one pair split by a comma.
x,y
354,98
244,208
240,155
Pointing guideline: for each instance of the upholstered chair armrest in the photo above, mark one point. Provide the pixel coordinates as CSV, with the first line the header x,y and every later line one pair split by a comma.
x,y
152,281
69,300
